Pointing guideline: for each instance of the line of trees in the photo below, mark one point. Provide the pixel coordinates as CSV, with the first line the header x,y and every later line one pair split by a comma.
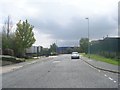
x,y
84,45
49,51
15,43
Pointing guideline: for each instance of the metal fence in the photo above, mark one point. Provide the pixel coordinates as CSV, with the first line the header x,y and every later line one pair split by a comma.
x,y
109,47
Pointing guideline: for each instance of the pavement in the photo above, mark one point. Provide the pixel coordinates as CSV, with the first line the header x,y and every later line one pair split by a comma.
x,y
102,65
60,72
13,67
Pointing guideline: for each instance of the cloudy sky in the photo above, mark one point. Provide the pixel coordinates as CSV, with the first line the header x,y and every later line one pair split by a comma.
x,y
63,21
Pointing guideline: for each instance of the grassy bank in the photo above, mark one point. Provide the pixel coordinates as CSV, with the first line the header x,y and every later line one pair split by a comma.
x,y
103,59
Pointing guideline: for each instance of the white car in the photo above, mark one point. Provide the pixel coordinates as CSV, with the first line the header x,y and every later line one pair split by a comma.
x,y
75,55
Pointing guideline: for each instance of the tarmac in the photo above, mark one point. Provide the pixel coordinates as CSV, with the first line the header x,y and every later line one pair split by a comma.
x,y
96,64
12,67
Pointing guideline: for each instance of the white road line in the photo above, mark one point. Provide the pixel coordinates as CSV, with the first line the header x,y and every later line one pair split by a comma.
x,y
52,56
56,61
105,75
110,78
114,81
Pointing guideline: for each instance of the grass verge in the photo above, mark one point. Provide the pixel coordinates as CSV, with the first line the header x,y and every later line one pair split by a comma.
x,y
103,59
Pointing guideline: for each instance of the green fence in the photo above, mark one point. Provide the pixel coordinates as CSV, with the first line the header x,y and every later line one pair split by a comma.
x,y
108,47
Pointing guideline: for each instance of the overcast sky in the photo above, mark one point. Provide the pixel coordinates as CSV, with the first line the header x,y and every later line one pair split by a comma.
x,y
63,21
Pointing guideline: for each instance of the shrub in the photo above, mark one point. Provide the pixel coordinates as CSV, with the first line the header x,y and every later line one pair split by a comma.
x,y
34,55
11,59
28,57
8,51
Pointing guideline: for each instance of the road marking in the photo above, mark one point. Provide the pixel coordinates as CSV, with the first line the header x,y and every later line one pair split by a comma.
x,y
52,56
56,61
105,75
91,66
110,78
98,70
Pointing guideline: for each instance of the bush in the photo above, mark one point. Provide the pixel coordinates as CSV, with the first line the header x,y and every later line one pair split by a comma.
x,y
7,60
28,57
11,59
8,52
34,55
53,53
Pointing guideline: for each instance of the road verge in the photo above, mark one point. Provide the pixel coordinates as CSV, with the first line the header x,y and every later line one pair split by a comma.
x,y
113,71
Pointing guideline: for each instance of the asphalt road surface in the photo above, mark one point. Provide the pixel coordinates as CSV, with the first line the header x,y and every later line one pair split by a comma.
x,y
59,72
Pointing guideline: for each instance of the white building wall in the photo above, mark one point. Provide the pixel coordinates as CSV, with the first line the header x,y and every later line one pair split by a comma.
x,y
32,49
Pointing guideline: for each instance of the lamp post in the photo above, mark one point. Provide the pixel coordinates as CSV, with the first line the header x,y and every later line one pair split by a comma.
x,y
56,46
88,38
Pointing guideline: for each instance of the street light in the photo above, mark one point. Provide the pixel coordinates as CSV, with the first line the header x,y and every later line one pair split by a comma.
x,y
88,38
56,46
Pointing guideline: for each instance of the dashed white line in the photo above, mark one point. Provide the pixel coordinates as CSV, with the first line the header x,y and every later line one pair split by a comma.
x,y
105,75
56,61
110,78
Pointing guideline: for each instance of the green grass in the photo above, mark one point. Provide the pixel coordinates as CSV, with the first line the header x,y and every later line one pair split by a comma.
x,y
103,59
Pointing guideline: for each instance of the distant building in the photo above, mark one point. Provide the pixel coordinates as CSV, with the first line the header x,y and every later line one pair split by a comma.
x,y
63,50
33,50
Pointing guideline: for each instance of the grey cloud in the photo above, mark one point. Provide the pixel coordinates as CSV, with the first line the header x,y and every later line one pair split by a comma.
x,y
72,32
50,14
102,27
77,28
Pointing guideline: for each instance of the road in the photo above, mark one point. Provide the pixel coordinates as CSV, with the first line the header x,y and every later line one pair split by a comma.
x,y
59,72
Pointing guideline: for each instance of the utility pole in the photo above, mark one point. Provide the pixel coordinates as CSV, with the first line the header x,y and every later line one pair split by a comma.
x,y
56,46
88,38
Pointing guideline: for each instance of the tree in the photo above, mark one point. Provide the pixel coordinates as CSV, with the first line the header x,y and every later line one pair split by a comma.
x,y
45,52
6,35
84,45
53,48
7,38
76,49
24,37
